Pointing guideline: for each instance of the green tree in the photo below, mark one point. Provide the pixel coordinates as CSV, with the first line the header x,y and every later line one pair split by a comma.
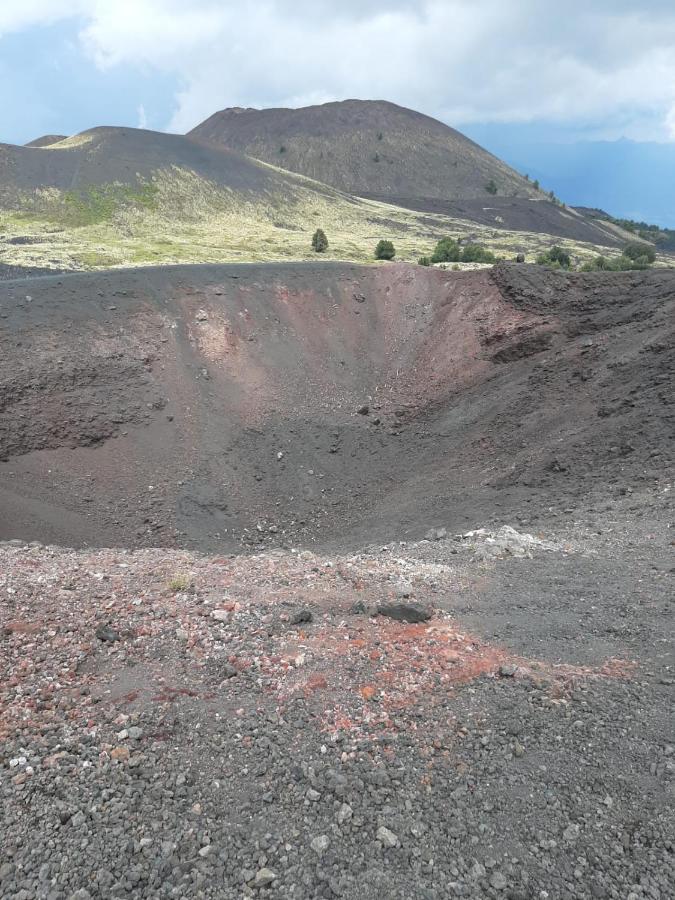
x,y
491,186
638,250
384,250
319,241
424,261
556,257
476,253
447,250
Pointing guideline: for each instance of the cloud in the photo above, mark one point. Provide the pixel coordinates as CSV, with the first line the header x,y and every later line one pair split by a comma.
x,y
609,63
142,117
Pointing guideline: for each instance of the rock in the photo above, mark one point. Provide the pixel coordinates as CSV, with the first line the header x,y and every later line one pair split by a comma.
x,y
386,837
571,833
119,753
508,670
107,634
436,534
227,670
344,813
302,617
221,615
404,612
202,315
477,871
135,733
264,877
498,881
320,844
403,590
363,410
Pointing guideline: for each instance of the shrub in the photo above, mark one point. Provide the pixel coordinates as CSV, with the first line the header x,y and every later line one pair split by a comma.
x,y
179,583
639,251
535,184
376,157
491,186
476,253
447,250
621,263
424,261
282,149
319,241
556,257
384,250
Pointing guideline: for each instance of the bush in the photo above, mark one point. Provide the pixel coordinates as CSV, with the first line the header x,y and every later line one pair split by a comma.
x,y
384,250
447,250
476,253
621,263
638,251
491,186
556,258
319,241
424,261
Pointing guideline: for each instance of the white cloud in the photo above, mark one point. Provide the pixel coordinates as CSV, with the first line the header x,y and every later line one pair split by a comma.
x,y
586,63
142,117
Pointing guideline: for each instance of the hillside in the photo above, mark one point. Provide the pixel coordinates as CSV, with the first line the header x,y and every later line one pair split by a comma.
x,y
46,140
378,150
125,196
367,147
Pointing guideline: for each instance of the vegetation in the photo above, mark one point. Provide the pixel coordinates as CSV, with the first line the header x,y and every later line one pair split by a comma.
x,y
424,261
664,238
179,583
181,217
555,258
385,250
640,252
319,241
476,253
491,186
447,250
623,263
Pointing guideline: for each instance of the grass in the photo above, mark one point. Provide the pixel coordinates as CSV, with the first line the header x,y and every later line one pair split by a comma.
x,y
179,217
179,583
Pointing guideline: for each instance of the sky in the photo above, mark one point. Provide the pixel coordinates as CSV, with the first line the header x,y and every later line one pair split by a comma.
x,y
516,75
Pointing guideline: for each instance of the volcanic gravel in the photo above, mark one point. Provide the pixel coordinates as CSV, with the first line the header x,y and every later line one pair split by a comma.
x,y
177,725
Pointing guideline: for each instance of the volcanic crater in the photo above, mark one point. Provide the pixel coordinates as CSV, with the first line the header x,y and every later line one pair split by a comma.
x,y
213,407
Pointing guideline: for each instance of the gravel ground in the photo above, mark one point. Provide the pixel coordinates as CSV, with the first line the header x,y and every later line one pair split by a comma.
x,y
177,725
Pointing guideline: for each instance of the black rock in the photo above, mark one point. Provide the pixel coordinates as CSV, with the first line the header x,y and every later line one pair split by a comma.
x,y
404,612
107,633
302,617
